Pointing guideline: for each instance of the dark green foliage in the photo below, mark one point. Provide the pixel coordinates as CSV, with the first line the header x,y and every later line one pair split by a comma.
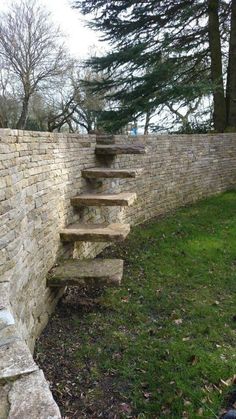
x,y
160,51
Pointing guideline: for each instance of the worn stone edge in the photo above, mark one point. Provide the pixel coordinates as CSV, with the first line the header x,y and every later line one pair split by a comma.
x,y
18,363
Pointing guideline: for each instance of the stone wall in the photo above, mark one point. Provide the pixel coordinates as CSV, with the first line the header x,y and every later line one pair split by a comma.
x,y
39,173
178,169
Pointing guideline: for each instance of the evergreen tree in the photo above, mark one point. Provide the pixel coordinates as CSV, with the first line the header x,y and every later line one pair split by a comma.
x,y
167,51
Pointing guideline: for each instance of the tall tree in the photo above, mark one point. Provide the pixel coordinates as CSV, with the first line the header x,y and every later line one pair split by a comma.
x,y
231,73
219,114
31,47
167,51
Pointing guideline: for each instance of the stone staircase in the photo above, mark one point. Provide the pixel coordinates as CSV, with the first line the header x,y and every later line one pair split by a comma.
x,y
98,272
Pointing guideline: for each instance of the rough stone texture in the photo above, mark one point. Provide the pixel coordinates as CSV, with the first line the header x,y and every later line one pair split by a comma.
x,y
95,232
105,172
87,272
9,334
15,360
106,139
39,174
4,296
30,398
124,199
178,169
115,149
4,403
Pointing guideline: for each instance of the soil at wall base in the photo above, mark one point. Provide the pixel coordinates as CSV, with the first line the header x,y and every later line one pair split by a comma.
x,y
78,394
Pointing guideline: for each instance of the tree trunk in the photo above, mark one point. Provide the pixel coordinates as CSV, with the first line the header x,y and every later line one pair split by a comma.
x,y
231,74
147,122
219,113
24,113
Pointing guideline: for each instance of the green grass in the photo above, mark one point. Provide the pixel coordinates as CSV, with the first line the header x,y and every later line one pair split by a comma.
x,y
167,335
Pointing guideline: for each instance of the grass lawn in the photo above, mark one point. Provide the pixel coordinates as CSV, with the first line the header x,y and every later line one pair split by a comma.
x,y
163,345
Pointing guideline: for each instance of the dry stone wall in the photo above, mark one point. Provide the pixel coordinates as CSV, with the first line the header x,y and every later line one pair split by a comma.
x,y
177,169
39,173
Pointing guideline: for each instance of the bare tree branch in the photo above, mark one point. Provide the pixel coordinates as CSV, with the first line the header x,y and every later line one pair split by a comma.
x,y
31,46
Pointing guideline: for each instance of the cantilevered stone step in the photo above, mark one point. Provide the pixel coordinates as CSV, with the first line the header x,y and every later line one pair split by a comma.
x,y
86,272
105,139
95,232
104,172
124,199
114,149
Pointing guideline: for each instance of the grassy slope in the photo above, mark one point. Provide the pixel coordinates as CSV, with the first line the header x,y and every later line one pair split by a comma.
x,y
167,338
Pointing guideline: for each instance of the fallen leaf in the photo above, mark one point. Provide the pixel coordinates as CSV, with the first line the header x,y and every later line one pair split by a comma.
x,y
178,321
229,382
147,395
125,300
125,408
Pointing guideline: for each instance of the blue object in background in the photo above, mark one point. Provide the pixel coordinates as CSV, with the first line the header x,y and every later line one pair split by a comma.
x,y
134,131
231,414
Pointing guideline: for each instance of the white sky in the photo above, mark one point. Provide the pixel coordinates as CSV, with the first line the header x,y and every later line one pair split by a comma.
x,y
80,40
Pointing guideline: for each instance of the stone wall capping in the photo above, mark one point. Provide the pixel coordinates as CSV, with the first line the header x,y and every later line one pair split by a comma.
x,y
30,397
15,360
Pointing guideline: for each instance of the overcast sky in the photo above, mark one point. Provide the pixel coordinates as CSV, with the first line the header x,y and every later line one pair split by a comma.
x,y
79,38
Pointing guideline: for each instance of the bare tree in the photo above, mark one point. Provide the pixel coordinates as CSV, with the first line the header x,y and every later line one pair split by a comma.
x,y
184,115
31,46
76,106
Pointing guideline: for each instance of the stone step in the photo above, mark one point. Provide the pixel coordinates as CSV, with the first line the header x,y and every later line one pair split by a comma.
x,y
124,199
114,149
82,273
95,232
104,172
105,139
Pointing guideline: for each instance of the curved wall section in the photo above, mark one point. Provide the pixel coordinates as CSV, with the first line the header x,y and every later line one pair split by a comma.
x,y
178,169
39,173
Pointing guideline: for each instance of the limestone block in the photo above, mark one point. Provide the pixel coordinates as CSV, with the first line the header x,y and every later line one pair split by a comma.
x,y
95,233
87,272
15,360
30,397
4,403
4,296
95,199
116,149
4,264
104,172
9,334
